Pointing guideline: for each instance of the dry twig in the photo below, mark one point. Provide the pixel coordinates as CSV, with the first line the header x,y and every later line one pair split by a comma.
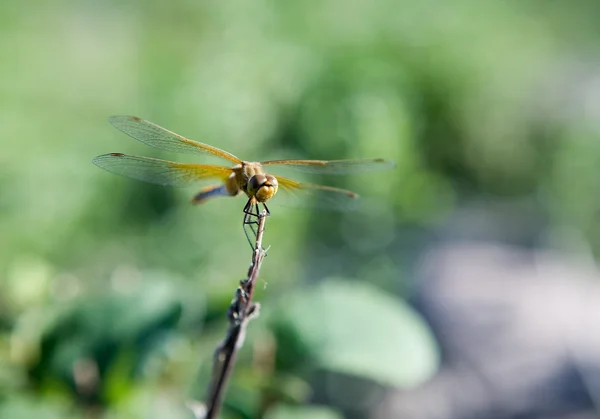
x,y
241,310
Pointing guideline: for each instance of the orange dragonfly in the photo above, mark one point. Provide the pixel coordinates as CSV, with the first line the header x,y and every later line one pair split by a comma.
x,y
249,178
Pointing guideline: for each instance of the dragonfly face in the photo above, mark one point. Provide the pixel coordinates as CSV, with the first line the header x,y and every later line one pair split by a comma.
x,y
250,178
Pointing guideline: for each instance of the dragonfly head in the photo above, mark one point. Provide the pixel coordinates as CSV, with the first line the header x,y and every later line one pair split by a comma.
x,y
262,187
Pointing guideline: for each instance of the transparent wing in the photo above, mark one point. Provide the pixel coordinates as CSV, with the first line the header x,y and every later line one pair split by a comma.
x,y
308,195
161,138
160,172
335,167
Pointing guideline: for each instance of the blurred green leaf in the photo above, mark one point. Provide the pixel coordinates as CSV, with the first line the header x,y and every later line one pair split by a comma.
x,y
302,412
354,328
106,340
23,407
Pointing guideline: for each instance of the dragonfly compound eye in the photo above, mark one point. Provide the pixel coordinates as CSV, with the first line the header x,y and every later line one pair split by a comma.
x,y
255,183
267,189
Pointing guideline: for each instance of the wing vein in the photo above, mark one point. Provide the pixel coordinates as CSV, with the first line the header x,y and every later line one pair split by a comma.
x,y
163,139
334,167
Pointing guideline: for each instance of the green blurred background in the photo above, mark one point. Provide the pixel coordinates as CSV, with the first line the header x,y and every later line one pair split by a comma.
x,y
113,292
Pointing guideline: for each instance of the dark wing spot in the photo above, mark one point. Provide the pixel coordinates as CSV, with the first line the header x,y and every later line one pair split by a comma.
x,y
116,154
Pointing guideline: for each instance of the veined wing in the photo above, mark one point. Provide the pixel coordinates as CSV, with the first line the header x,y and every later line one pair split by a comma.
x,y
300,194
160,172
335,167
161,138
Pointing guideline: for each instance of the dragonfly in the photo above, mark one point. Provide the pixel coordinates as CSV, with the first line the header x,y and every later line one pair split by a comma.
x,y
240,178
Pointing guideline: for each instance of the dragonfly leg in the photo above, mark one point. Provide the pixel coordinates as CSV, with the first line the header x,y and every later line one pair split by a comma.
x,y
251,208
245,226
251,213
250,219
266,209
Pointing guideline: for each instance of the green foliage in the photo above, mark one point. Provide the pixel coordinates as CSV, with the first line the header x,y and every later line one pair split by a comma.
x,y
22,407
286,412
105,340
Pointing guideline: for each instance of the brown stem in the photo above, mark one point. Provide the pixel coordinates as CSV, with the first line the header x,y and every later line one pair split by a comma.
x,y
241,310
